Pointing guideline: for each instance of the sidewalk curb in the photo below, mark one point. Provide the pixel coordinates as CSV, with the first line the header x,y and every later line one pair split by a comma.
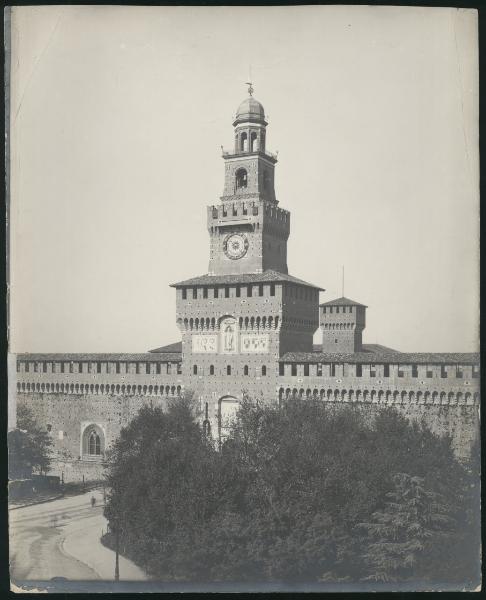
x,y
37,502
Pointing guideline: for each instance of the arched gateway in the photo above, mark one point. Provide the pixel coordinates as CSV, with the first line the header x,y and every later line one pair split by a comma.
x,y
227,410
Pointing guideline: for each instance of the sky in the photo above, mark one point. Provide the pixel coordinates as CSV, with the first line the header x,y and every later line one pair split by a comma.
x,y
117,119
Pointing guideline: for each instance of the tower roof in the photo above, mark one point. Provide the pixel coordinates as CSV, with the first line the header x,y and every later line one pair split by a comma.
x,y
267,276
250,110
342,302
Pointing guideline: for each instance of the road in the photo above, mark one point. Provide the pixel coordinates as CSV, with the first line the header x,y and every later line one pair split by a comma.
x,y
61,538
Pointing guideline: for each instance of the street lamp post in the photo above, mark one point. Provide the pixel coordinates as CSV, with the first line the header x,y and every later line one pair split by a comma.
x,y
117,550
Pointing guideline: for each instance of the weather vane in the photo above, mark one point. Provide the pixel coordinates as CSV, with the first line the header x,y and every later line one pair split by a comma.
x,y
250,88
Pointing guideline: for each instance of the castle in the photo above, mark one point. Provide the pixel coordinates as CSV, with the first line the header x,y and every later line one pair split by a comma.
x,y
246,326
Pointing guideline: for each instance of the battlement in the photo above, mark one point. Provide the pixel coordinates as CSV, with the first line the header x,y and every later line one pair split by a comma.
x,y
248,212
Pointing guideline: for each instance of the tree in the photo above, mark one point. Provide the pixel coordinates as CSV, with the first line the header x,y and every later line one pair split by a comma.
x,y
29,446
282,498
158,473
413,522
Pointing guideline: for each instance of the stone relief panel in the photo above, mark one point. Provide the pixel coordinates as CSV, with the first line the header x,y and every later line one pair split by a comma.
x,y
254,343
204,343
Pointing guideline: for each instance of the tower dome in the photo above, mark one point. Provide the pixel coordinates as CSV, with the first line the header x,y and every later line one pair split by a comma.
x,y
250,110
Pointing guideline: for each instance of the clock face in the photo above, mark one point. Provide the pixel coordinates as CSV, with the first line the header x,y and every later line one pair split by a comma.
x,y
235,245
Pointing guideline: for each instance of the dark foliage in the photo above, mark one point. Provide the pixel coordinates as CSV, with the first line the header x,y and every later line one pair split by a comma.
x,y
29,446
304,492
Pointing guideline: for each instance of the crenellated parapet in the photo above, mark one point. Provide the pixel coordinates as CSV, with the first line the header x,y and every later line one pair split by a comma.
x,y
432,378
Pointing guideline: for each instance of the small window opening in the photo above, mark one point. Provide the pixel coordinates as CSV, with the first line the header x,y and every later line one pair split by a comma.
x,y
244,141
294,370
194,370
228,370
245,370
241,179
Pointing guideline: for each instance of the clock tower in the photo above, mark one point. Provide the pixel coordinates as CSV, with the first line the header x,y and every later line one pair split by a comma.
x,y
248,231
240,317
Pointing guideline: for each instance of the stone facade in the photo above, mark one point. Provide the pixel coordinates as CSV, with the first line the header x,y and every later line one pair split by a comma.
x,y
246,326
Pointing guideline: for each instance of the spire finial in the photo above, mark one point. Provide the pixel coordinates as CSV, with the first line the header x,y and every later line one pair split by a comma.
x,y
248,83
343,283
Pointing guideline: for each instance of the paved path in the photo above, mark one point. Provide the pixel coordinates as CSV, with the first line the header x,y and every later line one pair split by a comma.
x,y
62,539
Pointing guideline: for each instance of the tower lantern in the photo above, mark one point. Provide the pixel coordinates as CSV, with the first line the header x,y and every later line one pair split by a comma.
x,y
250,125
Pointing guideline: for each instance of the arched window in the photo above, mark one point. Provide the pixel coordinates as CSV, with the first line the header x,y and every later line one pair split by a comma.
x,y
228,370
241,179
211,370
245,370
254,141
93,441
194,369
264,370
94,444
244,142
